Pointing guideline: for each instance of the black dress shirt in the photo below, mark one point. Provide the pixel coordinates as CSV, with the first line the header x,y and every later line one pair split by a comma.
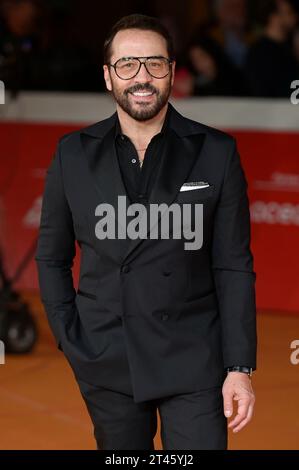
x,y
138,180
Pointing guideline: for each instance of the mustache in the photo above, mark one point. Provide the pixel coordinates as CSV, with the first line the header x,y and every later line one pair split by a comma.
x,y
139,88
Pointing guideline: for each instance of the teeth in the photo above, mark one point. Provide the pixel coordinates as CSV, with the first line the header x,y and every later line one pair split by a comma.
x,y
142,94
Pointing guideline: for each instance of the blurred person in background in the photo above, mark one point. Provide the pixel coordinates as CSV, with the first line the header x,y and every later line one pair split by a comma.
x,y
271,63
231,30
37,51
212,63
65,64
20,28
207,71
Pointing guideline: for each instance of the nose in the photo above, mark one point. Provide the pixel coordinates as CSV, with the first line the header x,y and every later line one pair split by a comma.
x,y
143,75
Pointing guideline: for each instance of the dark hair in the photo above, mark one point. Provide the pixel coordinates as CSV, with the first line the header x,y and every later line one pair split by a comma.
x,y
142,22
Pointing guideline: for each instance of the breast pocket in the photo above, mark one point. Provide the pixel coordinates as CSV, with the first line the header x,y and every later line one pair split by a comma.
x,y
195,195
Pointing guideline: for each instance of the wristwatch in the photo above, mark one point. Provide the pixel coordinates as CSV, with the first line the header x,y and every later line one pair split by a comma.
x,y
244,369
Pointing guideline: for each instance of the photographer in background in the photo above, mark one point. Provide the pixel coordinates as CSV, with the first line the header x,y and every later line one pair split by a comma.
x,y
271,64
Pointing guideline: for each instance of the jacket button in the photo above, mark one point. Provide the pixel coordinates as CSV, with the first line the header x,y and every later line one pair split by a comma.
x,y
125,269
164,316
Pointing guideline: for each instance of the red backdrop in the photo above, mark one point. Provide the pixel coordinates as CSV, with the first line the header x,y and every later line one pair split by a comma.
x,y
272,167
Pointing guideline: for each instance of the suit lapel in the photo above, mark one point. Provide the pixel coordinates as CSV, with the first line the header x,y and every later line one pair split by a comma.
x,y
178,158
104,169
182,147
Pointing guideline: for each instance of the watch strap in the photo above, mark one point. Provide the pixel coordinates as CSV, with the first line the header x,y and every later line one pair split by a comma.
x,y
244,369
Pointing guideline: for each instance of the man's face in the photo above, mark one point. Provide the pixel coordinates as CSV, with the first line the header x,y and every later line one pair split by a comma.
x,y
137,43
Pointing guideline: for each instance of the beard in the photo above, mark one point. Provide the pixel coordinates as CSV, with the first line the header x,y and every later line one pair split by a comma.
x,y
143,110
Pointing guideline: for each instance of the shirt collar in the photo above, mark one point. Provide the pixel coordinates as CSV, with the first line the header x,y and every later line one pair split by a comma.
x,y
118,132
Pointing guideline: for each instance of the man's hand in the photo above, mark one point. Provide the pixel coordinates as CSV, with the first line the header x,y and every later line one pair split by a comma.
x,y
237,386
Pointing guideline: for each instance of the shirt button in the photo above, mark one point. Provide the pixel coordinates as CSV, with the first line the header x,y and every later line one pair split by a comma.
x,y
164,316
125,269
133,160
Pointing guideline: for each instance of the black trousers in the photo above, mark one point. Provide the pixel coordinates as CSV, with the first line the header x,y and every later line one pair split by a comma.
x,y
191,421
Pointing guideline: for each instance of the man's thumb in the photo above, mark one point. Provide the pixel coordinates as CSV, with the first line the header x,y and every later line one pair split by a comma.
x,y
228,405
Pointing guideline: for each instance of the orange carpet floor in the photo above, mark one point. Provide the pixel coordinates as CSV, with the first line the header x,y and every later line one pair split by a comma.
x,y
41,407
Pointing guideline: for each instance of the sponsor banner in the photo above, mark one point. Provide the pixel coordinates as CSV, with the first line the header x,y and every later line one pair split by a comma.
x,y
26,152
272,168
271,164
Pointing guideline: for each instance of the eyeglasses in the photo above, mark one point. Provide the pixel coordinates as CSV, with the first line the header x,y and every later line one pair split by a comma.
x,y
128,67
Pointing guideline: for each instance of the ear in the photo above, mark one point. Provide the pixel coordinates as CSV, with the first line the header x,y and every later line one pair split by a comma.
x,y
107,77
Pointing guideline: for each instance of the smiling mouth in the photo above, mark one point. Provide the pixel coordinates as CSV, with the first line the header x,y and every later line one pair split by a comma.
x,y
142,94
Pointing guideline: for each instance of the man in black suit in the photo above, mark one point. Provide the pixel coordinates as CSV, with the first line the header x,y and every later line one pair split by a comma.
x,y
156,324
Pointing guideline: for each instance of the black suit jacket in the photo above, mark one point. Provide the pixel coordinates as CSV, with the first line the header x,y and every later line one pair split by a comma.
x,y
149,318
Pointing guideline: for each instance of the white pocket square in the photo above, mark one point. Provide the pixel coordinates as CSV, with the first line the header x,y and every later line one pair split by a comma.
x,y
194,185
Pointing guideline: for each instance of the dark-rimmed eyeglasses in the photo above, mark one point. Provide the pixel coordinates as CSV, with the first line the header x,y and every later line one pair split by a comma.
x,y
128,67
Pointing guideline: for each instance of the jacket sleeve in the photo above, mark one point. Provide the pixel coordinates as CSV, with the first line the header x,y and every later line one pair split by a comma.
x,y
56,250
232,263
